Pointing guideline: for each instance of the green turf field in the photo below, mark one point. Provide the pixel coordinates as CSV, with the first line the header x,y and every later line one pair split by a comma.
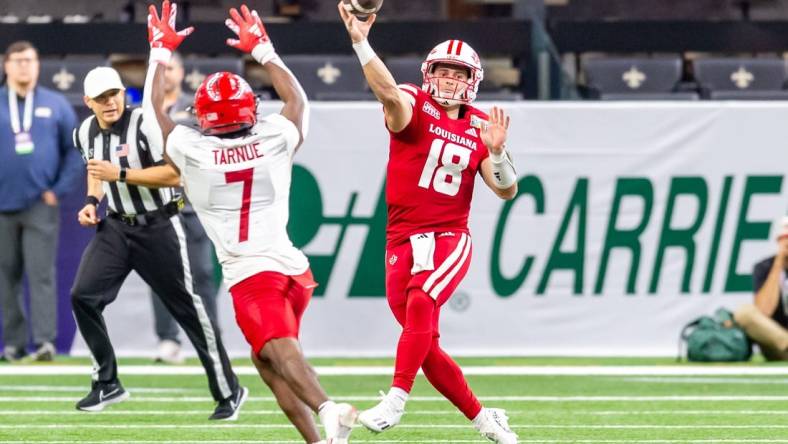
x,y
624,408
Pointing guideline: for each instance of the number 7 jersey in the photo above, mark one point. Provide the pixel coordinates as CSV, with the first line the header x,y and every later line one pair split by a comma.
x,y
240,190
432,168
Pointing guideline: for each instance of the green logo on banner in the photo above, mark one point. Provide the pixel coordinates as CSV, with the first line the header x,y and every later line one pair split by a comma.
x,y
574,260
306,218
568,252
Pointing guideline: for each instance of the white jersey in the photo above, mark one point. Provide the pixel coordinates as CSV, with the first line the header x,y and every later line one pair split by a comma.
x,y
240,189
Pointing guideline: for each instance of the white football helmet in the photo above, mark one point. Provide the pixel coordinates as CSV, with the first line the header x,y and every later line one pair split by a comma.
x,y
453,52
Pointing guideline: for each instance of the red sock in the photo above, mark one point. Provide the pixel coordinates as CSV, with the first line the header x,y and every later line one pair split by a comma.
x,y
446,376
416,339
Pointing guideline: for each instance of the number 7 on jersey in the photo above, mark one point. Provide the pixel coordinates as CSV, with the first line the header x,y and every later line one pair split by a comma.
x,y
246,176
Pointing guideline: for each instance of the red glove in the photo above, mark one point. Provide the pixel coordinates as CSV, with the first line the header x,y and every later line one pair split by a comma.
x,y
249,29
161,31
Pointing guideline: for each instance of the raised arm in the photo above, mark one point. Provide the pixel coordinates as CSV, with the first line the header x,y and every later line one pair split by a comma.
x,y
396,103
164,40
498,169
253,39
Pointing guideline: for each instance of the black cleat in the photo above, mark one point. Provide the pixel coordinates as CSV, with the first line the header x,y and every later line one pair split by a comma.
x,y
101,395
228,409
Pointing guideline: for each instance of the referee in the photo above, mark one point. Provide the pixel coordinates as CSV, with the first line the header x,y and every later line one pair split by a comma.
x,y
141,232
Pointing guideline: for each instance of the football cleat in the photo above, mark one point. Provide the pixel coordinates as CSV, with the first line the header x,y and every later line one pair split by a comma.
x,y
338,421
493,424
382,417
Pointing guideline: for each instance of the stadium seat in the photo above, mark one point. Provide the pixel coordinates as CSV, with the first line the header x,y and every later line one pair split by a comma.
x,y
499,96
195,69
337,77
406,69
741,79
66,75
636,78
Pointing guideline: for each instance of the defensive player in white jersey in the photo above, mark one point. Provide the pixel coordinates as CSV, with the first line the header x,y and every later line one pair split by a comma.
x,y
236,170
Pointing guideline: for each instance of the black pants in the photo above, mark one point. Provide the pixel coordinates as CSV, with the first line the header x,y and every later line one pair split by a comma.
x,y
157,252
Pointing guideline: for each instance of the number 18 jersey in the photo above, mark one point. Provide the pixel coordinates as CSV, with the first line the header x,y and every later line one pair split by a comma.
x,y
240,190
432,168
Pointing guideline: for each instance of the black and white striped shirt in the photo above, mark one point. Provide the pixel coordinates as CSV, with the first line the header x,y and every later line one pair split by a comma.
x,y
132,143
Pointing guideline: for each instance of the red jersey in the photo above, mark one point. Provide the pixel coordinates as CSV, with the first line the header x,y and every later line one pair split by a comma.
x,y
432,169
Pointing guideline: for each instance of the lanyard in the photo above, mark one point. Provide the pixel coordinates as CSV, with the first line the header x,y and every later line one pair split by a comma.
x,y
13,109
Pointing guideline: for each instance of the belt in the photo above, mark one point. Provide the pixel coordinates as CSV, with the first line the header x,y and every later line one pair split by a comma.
x,y
164,213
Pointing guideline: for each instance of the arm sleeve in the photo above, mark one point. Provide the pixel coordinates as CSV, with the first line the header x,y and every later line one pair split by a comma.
x,y
71,169
150,125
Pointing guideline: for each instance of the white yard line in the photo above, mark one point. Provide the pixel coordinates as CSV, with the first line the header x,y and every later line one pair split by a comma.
x,y
667,398
116,412
705,380
401,426
676,412
421,441
83,389
536,370
541,412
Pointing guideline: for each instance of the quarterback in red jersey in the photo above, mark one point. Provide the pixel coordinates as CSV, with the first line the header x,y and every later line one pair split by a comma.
x,y
439,143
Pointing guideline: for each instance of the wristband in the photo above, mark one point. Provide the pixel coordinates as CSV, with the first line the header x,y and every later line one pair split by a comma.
x,y
503,170
92,200
160,55
498,158
122,174
264,53
364,52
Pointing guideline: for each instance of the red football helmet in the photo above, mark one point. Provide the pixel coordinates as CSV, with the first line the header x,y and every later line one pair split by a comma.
x,y
225,103
458,53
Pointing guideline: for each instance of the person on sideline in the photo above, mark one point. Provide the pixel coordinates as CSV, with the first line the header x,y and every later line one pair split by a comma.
x,y
766,320
38,166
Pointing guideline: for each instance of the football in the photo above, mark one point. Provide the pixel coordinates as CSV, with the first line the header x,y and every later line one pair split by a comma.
x,y
362,8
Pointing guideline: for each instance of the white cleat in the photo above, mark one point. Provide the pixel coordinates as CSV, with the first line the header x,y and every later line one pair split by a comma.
x,y
338,421
382,417
493,424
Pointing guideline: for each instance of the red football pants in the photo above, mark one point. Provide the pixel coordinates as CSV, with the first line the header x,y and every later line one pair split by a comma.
x,y
415,301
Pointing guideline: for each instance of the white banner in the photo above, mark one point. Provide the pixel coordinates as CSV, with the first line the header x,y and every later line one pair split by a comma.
x,y
632,219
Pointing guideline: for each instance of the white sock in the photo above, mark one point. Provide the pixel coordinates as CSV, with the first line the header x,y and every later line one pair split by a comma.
x,y
322,409
398,397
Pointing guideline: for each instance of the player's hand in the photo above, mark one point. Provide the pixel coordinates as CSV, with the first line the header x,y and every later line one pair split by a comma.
x,y
161,30
103,170
358,30
87,216
49,197
494,133
248,27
